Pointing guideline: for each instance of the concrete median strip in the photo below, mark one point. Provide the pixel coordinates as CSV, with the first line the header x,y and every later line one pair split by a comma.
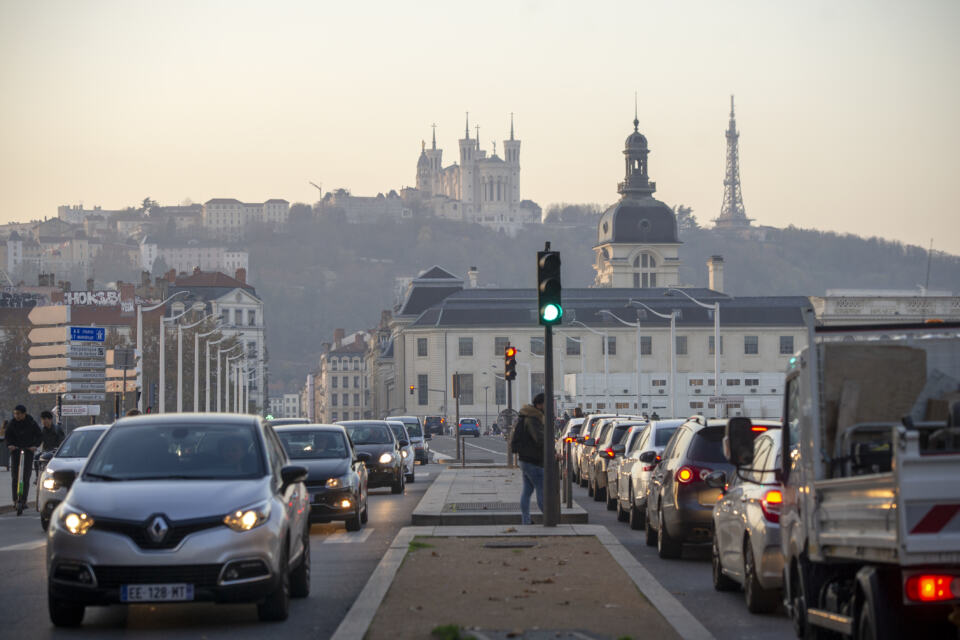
x,y
361,616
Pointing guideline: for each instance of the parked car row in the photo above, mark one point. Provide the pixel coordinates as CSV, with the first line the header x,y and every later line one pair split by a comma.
x,y
673,480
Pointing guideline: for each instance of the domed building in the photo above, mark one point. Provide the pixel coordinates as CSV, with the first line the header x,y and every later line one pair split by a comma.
x,y
637,242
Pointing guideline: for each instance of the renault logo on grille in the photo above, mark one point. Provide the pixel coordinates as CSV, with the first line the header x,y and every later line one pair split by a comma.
x,y
157,529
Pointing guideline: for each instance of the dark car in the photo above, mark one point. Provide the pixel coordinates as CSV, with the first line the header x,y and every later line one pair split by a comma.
x,y
379,449
434,425
680,503
470,427
336,478
280,422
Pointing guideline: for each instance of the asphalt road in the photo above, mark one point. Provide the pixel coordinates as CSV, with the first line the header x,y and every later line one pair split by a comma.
x,y
341,563
491,449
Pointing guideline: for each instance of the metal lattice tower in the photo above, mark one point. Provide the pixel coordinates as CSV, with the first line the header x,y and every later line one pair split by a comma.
x,y
732,212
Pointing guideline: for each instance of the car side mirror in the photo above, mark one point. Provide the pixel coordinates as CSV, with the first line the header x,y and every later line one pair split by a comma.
x,y
648,457
404,443
738,441
364,457
716,480
292,473
46,455
618,449
65,477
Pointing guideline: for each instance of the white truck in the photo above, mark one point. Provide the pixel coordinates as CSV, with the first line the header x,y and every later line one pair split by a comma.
x,y
870,521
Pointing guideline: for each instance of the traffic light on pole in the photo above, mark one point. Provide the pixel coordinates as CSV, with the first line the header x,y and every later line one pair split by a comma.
x,y
510,363
548,287
411,389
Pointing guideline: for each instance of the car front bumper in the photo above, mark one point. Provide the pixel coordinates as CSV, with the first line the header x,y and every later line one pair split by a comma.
x,y
326,505
381,476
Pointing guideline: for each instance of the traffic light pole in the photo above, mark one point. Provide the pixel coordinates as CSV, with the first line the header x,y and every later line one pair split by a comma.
x,y
551,476
510,460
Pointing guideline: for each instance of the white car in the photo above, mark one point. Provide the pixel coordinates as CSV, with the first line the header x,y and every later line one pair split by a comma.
x,y
70,455
406,450
636,467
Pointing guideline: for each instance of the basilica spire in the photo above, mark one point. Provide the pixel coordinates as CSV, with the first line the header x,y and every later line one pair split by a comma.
x,y
511,125
434,125
468,126
636,120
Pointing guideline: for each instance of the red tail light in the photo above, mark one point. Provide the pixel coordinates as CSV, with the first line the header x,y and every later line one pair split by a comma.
x,y
689,473
930,588
568,439
758,427
685,475
770,505
608,452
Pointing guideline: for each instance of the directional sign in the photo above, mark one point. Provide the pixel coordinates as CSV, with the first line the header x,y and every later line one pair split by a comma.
x,y
84,386
124,358
66,363
80,410
55,387
52,314
88,334
58,375
84,397
114,386
73,351
48,334
726,399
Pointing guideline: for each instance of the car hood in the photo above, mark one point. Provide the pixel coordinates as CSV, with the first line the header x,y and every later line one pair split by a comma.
x,y
177,499
66,464
375,450
324,469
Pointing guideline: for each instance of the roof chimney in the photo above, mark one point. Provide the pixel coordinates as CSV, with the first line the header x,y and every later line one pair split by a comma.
x,y
171,276
338,337
196,270
472,275
241,275
715,271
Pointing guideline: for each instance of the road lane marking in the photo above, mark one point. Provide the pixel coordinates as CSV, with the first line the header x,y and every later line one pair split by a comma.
x,y
347,537
499,453
26,546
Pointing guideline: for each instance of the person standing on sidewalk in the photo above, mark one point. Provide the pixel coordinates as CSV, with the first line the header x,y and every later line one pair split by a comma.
x,y
24,434
51,434
528,445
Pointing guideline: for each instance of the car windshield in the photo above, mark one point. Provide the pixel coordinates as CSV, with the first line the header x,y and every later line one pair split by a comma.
x,y
413,429
707,445
663,435
79,443
179,450
399,432
618,433
369,433
469,421
314,445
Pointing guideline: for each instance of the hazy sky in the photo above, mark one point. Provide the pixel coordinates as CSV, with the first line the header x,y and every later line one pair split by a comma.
x,y
849,111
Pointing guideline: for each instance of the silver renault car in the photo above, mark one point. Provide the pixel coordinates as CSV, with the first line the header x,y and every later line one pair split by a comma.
x,y
179,508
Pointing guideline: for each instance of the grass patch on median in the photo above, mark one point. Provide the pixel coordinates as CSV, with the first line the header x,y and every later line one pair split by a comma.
x,y
418,544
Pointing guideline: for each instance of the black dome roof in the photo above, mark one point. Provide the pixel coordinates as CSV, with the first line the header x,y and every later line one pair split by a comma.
x,y
636,140
639,220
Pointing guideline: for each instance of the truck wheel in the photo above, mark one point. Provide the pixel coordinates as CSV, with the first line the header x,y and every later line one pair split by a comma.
x,y
759,600
721,581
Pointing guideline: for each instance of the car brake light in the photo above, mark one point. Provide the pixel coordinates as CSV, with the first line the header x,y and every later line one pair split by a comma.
x,y
758,427
609,452
685,474
930,588
770,505
568,439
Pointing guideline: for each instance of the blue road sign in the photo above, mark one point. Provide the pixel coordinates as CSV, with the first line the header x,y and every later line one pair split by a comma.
x,y
87,334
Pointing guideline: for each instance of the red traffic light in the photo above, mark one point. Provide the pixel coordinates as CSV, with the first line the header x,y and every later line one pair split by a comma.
x,y
510,352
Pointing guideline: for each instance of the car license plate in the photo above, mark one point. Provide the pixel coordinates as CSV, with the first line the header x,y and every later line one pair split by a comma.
x,y
156,592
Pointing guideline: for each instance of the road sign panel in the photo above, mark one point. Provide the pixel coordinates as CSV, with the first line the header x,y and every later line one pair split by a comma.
x,y
66,363
124,358
72,351
84,397
48,334
84,386
57,375
78,351
113,386
726,399
80,410
88,334
50,387
49,314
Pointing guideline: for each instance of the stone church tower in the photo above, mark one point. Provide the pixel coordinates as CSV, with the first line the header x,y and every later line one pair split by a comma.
x,y
637,241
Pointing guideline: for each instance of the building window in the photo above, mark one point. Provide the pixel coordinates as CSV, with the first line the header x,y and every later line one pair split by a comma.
x,y
346,399
251,317
356,399
356,382
356,364
733,382
346,382
536,346
536,383
333,364
422,347
500,345
466,388
681,345
333,416
466,347
751,382
333,399
356,415
333,381
710,346
696,382
573,347
786,345
696,405
422,389
751,345
658,383
646,345
611,346
500,391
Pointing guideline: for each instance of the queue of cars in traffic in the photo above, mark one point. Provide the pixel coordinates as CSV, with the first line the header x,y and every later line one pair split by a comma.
x,y
208,507
673,480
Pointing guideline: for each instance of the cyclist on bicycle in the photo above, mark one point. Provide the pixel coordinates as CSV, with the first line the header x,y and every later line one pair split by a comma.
x,y
23,434
52,434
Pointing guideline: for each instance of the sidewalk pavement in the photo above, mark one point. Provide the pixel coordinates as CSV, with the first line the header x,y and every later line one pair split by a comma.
x,y
481,495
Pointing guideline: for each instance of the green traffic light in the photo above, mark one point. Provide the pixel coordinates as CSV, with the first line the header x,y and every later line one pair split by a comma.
x,y
551,312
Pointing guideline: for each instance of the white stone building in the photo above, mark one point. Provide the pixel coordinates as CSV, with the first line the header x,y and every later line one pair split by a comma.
x,y
186,255
229,218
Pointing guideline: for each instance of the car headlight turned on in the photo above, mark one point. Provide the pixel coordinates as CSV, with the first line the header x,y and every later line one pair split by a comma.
x,y
386,458
405,453
342,481
248,518
75,522
49,483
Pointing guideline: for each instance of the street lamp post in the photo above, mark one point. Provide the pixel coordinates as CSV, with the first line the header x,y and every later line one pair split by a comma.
x,y
180,328
206,367
229,371
673,349
717,389
140,311
163,363
636,324
221,373
606,369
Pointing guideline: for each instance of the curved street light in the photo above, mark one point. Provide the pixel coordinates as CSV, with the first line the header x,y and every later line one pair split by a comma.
x,y
606,368
636,324
221,372
180,328
206,366
140,311
672,316
717,389
163,373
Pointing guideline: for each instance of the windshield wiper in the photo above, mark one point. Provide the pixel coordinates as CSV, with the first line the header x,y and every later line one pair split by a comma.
x,y
100,476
